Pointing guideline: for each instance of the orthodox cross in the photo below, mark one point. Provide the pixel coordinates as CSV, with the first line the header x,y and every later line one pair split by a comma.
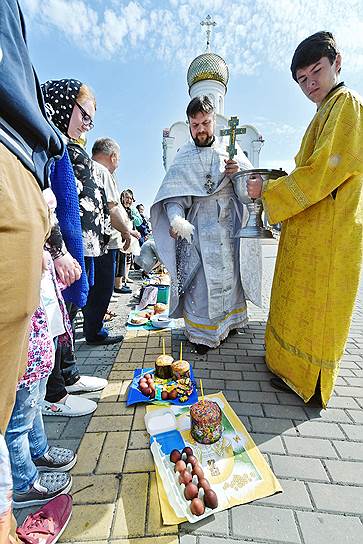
x,y
208,23
232,133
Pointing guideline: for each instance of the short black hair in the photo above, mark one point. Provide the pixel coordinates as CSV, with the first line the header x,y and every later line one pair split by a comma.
x,y
312,49
199,104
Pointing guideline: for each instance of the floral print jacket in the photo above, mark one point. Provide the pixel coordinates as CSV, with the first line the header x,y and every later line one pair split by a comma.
x,y
95,215
41,345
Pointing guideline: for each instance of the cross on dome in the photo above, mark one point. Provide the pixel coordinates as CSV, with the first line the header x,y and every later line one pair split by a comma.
x,y
209,24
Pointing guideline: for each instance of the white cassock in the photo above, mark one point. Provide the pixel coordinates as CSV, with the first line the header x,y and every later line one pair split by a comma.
x,y
214,275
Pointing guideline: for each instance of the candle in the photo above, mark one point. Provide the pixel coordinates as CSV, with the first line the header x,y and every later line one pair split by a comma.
x,y
201,389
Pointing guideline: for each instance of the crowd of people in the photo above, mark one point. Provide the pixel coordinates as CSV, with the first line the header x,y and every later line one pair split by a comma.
x,y
68,238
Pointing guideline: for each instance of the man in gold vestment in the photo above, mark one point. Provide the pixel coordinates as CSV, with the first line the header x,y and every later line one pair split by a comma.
x,y
320,205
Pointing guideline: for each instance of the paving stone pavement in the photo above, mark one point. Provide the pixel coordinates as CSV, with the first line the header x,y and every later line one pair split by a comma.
x,y
316,454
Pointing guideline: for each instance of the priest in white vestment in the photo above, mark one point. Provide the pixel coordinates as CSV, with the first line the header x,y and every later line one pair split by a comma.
x,y
194,219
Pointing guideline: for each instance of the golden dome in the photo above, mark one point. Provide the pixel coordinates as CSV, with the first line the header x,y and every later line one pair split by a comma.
x,y
208,66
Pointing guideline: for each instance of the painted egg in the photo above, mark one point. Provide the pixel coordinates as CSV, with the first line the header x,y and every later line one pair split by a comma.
x,y
175,456
185,478
187,450
180,466
210,498
203,482
197,507
190,491
172,395
198,471
192,460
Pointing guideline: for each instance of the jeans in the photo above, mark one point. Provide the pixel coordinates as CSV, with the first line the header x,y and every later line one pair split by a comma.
x,y
99,295
6,485
25,436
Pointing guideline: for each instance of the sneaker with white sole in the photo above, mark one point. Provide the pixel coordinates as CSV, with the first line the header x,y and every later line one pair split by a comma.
x,y
56,459
73,406
86,384
47,486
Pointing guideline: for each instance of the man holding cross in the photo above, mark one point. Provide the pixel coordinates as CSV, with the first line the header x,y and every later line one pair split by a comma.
x,y
194,218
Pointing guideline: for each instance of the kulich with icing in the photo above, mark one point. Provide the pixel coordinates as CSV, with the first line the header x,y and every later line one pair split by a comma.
x,y
206,421
163,367
180,369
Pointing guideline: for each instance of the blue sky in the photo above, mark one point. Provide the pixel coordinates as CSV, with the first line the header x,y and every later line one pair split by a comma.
x,y
135,56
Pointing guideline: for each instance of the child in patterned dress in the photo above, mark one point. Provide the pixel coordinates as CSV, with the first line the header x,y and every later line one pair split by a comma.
x,y
39,472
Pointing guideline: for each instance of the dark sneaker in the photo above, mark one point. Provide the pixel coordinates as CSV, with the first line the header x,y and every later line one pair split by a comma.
x,y
124,290
47,525
105,341
56,459
201,349
47,486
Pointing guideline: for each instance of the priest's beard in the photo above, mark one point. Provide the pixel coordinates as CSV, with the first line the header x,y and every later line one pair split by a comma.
x,y
203,140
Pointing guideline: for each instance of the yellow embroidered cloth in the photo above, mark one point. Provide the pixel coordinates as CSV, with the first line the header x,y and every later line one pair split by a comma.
x,y
320,252
234,466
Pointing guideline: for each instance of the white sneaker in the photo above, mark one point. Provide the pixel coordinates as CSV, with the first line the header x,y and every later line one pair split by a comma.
x,y
72,407
86,384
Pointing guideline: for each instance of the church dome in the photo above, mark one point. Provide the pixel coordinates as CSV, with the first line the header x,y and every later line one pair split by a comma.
x,y
208,66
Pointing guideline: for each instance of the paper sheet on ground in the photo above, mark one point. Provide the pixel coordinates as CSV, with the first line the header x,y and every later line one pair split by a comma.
x,y
234,466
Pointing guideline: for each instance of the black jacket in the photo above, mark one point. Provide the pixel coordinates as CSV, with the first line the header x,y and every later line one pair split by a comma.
x,y
24,129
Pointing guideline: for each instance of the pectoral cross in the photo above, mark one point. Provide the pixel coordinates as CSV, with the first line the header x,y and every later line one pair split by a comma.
x,y
209,184
232,133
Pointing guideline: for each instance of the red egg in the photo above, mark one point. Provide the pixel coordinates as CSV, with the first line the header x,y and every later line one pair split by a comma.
x,y
187,450
180,466
164,396
143,385
146,392
185,478
210,498
172,395
175,456
152,393
192,460
190,491
148,376
197,507
198,471
203,482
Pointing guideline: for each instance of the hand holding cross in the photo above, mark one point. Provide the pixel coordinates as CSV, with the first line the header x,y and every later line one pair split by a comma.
x,y
232,165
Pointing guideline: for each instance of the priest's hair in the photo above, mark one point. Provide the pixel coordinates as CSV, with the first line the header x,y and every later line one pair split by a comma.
x,y
199,104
